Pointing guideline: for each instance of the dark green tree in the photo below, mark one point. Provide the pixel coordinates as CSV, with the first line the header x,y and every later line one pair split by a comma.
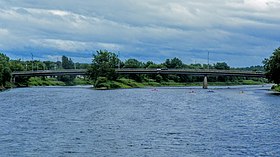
x,y
104,64
272,66
221,66
148,63
5,71
67,63
16,65
133,63
174,63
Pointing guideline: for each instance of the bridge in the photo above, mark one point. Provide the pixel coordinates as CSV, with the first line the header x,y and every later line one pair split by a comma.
x,y
193,72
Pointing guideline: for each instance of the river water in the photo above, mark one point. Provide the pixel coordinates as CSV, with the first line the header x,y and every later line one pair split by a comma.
x,y
79,121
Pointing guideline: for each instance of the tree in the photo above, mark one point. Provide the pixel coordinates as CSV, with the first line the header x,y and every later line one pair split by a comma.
x,y
5,71
174,63
148,63
133,63
16,65
67,63
272,66
221,66
103,65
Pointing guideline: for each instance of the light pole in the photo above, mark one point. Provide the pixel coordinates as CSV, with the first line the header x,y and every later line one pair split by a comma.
x,y
44,66
119,64
32,60
57,64
208,62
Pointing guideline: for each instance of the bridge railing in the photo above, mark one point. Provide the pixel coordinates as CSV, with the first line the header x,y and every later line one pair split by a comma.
x,y
189,70
142,71
49,71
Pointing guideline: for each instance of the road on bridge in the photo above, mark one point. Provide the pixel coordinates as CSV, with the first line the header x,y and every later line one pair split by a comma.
x,y
193,72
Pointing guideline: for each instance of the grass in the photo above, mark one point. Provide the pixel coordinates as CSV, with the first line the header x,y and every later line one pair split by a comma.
x,y
81,81
129,83
276,88
37,81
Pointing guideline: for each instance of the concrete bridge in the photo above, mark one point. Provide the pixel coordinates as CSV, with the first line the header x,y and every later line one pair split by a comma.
x,y
192,72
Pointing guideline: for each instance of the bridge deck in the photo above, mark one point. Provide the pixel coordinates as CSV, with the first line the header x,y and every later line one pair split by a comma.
x,y
193,72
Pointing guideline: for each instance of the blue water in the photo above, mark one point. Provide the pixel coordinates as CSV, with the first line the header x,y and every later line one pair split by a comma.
x,y
79,121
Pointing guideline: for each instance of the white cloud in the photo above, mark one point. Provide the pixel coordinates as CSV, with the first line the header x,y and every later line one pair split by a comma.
x,y
143,29
262,5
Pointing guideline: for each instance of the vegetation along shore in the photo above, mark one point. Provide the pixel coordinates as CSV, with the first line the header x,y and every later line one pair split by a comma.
x,y
102,75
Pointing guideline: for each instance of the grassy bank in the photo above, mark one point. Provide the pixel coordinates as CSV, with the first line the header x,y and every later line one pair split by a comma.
x,y
103,83
38,81
276,88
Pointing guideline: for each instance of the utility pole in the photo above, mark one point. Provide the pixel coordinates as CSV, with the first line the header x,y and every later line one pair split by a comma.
x,y
32,60
208,62
119,64
44,66
57,64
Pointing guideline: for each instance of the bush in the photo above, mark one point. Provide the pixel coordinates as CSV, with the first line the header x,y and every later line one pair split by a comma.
x,y
158,78
37,81
276,88
101,82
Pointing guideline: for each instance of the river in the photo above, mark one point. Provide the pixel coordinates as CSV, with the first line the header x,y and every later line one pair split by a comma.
x,y
79,121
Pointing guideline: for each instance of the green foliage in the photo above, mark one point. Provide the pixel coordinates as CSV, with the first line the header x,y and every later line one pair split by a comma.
x,y
174,63
221,66
67,63
104,83
272,67
133,63
130,83
102,72
103,65
276,88
101,82
257,68
5,71
38,81
158,78
81,81
16,65
68,79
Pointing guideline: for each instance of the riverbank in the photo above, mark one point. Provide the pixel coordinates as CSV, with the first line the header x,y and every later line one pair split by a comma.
x,y
276,88
123,83
129,83
37,81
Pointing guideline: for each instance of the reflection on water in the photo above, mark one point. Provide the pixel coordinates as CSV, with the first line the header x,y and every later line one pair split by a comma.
x,y
221,121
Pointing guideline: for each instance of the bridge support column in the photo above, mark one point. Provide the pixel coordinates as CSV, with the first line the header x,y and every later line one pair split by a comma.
x,y
13,79
205,83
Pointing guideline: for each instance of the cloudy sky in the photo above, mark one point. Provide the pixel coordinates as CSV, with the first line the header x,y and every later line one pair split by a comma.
x,y
239,32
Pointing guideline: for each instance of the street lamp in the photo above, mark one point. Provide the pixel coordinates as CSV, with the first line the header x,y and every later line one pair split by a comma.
x,y
119,64
208,62
32,60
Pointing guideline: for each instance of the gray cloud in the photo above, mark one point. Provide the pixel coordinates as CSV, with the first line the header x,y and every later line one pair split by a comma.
x,y
146,30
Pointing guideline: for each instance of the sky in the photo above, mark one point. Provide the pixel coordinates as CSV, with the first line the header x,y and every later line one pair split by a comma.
x,y
238,32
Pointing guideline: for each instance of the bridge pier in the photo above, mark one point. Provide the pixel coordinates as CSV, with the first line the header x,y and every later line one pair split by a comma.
x,y
13,79
205,83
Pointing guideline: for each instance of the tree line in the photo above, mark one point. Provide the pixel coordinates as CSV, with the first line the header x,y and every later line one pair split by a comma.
x,y
104,64
7,66
272,68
